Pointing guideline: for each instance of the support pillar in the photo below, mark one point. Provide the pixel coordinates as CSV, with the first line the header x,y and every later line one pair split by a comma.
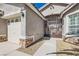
x,y
23,24
25,40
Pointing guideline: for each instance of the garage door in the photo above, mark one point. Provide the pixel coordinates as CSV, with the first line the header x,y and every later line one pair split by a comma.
x,y
14,30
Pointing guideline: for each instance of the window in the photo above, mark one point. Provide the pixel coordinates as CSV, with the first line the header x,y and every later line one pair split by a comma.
x,y
12,20
17,19
8,22
74,23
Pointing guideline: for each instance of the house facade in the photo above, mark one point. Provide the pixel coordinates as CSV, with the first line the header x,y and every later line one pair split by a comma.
x,y
21,22
62,19
52,12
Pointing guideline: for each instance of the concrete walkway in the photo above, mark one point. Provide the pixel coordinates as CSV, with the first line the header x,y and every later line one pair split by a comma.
x,y
17,53
9,49
48,47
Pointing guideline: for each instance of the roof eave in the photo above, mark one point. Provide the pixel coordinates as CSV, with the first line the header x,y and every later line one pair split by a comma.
x,y
44,6
35,10
67,8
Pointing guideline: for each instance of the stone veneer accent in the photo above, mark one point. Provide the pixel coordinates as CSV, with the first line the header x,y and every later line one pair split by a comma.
x,y
26,42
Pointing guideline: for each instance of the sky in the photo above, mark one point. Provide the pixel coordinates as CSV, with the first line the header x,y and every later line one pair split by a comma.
x,y
38,5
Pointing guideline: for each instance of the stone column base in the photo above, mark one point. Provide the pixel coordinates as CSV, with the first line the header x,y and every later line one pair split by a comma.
x,y
26,42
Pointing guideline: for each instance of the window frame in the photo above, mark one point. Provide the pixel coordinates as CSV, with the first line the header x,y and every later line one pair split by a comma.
x,y
76,24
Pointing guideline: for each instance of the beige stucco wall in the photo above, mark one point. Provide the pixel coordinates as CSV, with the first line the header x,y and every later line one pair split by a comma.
x,y
34,24
65,19
3,27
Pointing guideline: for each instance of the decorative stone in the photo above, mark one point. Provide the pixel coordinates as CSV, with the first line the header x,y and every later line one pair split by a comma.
x,y
26,42
3,38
